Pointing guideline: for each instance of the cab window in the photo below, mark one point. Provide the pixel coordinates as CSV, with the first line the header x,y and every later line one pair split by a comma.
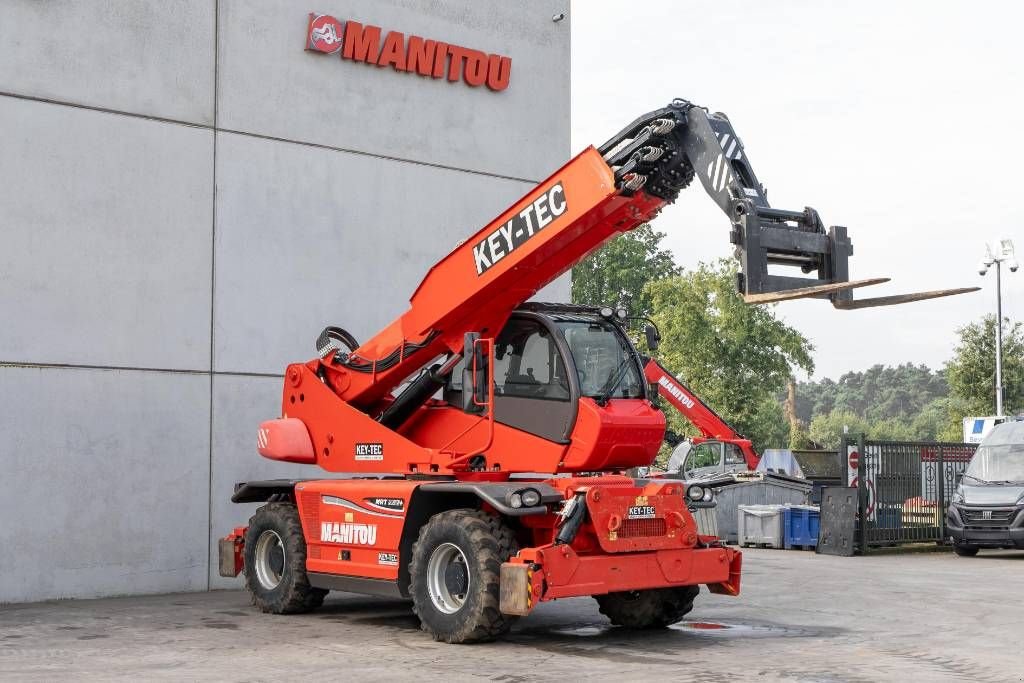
x,y
527,363
733,455
604,360
703,455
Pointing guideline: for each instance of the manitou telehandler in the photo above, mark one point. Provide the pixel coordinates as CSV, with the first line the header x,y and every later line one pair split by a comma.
x,y
727,447
492,481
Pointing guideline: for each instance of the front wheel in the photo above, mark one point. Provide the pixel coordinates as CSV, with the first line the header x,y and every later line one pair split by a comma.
x,y
655,608
275,562
454,575
965,550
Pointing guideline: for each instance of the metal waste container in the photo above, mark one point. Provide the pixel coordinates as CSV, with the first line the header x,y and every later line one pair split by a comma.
x,y
771,490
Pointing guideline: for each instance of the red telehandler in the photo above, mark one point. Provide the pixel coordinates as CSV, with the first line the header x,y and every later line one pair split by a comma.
x,y
713,429
493,480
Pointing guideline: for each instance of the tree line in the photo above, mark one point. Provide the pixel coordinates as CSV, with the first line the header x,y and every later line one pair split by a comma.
x,y
741,359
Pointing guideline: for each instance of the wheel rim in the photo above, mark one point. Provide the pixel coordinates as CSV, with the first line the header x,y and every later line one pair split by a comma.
x,y
448,578
268,559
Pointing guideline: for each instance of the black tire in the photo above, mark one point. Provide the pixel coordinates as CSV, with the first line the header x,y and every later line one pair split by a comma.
x,y
481,543
285,557
965,550
655,608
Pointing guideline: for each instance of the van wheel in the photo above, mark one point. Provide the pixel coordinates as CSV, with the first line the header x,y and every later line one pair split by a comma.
x,y
275,562
655,608
965,550
454,575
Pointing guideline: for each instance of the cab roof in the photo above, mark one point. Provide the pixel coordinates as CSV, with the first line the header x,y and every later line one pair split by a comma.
x,y
573,313
1009,432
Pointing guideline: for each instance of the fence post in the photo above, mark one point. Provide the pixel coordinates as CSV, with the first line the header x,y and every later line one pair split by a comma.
x,y
862,495
940,479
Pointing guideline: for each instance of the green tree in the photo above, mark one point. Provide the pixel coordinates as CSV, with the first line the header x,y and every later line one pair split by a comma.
x,y
799,438
932,421
971,372
827,430
953,428
878,393
735,356
617,273
891,429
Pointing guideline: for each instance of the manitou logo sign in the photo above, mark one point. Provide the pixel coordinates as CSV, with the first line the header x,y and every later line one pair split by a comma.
x,y
413,54
348,534
676,391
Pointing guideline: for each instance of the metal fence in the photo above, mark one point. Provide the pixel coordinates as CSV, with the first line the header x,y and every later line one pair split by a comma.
x,y
903,488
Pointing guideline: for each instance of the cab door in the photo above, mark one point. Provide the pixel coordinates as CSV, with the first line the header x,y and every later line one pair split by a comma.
x,y
533,391
704,459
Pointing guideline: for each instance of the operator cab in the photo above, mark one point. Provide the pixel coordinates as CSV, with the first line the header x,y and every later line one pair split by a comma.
x,y
547,357
706,459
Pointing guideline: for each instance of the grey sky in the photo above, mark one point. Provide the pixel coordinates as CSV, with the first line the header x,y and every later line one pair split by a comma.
x,y
901,121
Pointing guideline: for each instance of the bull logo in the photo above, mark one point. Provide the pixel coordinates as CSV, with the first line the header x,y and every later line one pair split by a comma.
x,y
326,34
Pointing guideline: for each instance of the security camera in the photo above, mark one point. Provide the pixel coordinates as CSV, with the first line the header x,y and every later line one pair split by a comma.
x,y
982,268
1014,266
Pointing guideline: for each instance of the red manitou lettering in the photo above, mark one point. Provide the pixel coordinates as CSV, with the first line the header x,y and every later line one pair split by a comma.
x,y
421,55
475,71
499,69
393,52
455,66
362,44
439,57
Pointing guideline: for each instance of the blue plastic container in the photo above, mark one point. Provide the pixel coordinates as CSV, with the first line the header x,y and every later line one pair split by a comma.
x,y
800,524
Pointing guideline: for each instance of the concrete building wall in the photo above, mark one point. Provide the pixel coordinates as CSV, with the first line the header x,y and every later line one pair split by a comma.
x,y
186,198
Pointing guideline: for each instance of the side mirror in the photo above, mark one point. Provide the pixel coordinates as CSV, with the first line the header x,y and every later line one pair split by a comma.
x,y
653,338
475,376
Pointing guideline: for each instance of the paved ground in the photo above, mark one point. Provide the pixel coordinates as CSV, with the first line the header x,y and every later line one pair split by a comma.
x,y
802,617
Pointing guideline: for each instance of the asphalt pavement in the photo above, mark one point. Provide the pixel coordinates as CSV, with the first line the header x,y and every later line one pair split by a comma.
x,y
927,616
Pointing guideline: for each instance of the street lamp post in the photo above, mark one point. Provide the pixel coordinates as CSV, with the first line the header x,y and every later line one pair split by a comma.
x,y
1002,254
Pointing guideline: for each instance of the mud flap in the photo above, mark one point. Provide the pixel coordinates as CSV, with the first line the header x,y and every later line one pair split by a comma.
x,y
732,586
230,559
516,597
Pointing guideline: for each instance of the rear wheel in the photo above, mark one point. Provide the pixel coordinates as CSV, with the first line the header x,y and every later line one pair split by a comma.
x,y
275,562
965,550
656,608
454,575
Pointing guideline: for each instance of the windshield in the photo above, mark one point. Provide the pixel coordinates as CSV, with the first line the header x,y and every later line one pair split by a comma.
x,y
602,355
998,464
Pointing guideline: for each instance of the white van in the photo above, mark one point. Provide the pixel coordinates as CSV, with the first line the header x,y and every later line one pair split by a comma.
x,y
987,510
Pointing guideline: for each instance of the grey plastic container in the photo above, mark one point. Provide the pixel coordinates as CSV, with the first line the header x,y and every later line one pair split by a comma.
x,y
767,491
760,525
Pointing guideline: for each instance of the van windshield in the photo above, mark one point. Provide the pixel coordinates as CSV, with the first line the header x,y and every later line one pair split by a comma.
x,y
998,464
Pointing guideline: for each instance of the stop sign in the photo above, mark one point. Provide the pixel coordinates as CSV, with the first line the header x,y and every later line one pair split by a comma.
x,y
854,459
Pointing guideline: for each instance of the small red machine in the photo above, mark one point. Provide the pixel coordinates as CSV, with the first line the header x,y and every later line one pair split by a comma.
x,y
480,442
710,424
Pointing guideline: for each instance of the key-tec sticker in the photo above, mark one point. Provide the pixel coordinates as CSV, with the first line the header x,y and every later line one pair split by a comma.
x,y
513,234
369,451
390,559
641,512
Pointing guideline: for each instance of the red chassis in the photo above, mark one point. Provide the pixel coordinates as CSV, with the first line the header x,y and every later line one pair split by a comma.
x,y
356,530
